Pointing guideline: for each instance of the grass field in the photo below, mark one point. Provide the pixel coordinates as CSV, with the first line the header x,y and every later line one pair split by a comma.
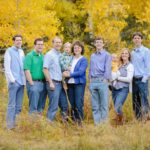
x,y
35,133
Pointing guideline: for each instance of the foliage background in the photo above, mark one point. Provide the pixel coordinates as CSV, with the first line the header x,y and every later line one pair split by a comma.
x,y
115,20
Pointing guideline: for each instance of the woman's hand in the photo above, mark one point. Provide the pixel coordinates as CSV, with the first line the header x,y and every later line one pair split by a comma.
x,y
66,74
69,68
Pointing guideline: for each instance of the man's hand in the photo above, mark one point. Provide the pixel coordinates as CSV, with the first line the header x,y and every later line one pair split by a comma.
x,y
29,77
13,81
52,86
31,83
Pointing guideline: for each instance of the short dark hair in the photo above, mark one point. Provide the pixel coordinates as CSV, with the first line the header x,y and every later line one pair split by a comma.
x,y
38,39
137,34
98,38
80,44
17,35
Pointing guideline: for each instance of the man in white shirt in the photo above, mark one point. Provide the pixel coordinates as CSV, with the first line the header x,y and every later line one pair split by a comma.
x,y
13,64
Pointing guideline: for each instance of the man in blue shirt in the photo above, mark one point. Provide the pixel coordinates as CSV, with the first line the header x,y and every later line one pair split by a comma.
x,y
13,64
99,74
53,75
141,63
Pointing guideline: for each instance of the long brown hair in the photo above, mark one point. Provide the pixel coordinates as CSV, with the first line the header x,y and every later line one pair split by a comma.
x,y
120,58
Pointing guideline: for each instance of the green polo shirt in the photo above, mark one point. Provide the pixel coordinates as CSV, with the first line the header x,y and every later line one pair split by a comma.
x,y
34,62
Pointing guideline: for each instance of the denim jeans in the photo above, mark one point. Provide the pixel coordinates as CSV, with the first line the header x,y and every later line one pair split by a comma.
x,y
119,96
140,98
15,100
42,100
149,90
37,96
54,96
99,99
76,98
63,103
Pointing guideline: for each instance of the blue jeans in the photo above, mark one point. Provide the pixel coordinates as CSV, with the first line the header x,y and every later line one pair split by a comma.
x,y
37,96
63,103
119,96
76,98
149,91
15,100
140,98
42,100
54,96
99,98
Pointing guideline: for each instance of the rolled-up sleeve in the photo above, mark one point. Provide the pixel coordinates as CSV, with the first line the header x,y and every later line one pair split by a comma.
x,y
27,63
46,62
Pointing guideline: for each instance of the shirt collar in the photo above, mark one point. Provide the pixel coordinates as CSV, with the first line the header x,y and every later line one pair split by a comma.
x,y
100,52
125,64
66,54
15,48
36,54
138,49
56,51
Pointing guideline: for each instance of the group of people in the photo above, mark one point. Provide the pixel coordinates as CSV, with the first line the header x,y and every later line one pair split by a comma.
x,y
62,76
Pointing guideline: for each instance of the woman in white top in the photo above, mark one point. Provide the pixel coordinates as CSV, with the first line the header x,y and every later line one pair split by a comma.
x,y
77,81
123,81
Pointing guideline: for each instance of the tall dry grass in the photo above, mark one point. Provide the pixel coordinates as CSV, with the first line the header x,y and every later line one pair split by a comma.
x,y
35,133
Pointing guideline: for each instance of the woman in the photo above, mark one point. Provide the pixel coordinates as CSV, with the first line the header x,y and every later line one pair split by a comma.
x,y
77,81
123,80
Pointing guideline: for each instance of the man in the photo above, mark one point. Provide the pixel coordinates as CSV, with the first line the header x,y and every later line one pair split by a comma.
x,y
13,64
99,74
140,60
36,84
53,74
149,89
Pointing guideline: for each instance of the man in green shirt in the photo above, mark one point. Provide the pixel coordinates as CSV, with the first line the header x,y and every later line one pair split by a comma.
x,y
36,86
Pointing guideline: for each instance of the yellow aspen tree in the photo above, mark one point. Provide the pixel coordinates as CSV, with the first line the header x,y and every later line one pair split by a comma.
x,y
29,18
107,20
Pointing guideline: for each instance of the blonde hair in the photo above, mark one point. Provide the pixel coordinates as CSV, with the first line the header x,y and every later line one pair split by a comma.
x,y
67,44
114,55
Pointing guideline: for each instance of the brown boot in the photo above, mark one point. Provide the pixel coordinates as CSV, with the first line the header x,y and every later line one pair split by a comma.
x,y
116,119
120,119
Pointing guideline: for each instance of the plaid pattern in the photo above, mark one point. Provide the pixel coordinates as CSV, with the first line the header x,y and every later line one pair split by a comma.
x,y
65,61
